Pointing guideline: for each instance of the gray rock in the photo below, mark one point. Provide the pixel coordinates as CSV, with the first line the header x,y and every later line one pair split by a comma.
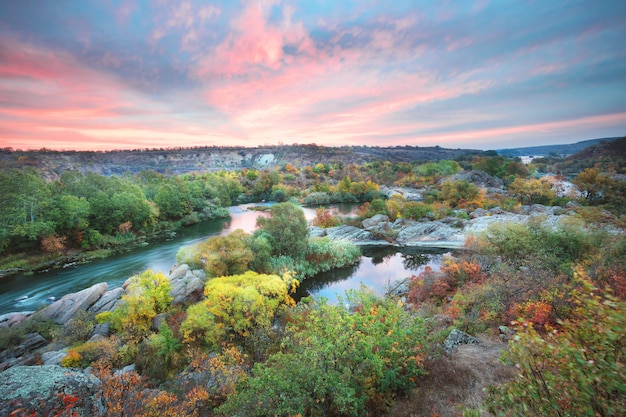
x,y
425,232
35,389
199,273
315,231
63,310
355,235
53,357
375,221
187,287
108,302
103,329
479,212
179,271
13,319
157,320
456,338
126,369
479,178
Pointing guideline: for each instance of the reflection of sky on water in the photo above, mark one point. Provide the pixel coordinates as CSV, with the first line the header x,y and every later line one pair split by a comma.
x,y
371,272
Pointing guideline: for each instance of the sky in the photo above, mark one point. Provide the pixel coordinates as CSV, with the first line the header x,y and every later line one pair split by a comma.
x,y
135,74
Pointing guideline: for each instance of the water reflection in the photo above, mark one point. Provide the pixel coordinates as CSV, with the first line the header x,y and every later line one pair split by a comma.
x,y
377,269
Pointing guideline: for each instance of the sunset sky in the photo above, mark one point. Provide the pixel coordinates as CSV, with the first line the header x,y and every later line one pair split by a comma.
x,y
96,74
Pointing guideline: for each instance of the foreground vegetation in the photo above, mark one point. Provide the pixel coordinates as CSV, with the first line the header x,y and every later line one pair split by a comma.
x,y
246,348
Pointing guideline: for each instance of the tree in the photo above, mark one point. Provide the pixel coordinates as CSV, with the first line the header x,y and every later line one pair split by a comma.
x,y
532,191
288,229
458,192
591,183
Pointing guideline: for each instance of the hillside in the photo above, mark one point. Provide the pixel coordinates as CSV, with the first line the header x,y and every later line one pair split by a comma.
x,y
561,150
181,160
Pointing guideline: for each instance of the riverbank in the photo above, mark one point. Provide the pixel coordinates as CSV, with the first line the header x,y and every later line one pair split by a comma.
x,y
28,263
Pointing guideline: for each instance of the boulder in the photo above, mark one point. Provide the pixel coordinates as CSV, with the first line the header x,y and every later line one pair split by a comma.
x,y
45,390
375,221
24,353
53,357
315,231
108,302
355,235
179,271
63,310
187,287
13,319
479,178
456,338
479,212
425,232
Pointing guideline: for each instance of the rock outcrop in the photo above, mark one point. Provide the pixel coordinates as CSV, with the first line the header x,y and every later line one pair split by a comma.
x,y
63,310
47,390
187,285
456,338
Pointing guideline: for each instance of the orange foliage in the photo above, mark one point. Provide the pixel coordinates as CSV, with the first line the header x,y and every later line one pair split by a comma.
x,y
53,244
324,219
125,227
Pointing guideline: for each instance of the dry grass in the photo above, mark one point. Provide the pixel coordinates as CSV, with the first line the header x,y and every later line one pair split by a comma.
x,y
455,381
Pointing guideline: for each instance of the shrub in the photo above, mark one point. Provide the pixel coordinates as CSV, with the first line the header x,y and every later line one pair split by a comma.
x,y
324,218
575,369
148,294
236,304
219,255
326,370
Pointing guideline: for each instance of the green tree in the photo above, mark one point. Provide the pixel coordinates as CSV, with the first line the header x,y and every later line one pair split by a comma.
x,y
288,229
574,370
25,199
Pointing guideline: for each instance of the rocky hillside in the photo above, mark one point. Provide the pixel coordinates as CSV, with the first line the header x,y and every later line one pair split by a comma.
x,y
179,161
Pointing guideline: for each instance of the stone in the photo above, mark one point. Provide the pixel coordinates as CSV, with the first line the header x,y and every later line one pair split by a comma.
x,y
315,231
108,302
63,310
456,338
479,212
53,357
478,178
178,271
188,287
375,221
102,329
355,235
13,319
35,390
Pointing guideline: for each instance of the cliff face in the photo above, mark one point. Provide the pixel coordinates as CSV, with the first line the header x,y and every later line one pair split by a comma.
x,y
179,161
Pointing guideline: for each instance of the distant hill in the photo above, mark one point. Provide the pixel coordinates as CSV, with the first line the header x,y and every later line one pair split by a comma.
x,y
615,148
182,160
560,150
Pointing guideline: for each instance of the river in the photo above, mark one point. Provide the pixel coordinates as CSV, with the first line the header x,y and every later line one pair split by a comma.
x,y
378,266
